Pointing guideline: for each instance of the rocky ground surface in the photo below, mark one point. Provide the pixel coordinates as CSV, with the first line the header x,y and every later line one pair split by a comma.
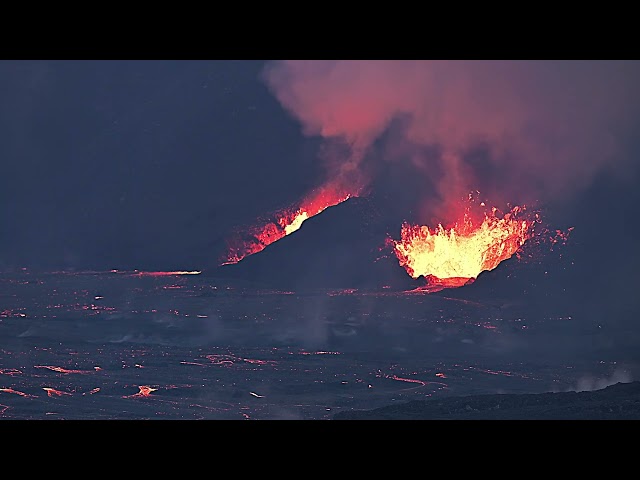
x,y
619,401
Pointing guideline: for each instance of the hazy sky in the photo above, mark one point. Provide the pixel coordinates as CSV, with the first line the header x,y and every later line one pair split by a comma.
x,y
149,164
139,164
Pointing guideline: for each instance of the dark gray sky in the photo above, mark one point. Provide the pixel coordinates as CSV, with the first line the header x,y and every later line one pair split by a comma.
x,y
149,164
139,164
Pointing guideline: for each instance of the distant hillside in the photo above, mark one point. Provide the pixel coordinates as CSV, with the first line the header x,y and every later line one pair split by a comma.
x,y
339,248
619,401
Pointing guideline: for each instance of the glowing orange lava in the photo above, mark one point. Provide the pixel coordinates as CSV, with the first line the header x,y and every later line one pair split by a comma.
x,y
455,256
286,222
145,391
61,370
52,392
166,274
16,392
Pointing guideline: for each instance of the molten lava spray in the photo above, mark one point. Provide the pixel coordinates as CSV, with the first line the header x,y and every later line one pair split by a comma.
x,y
454,256
286,222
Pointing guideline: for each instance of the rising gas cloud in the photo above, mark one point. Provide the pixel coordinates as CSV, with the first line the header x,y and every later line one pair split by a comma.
x,y
519,131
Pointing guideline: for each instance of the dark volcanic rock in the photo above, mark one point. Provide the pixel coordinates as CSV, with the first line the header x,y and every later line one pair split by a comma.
x,y
619,401
343,247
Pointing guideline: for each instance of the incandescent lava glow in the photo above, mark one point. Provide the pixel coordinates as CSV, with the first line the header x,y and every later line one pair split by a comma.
x,y
456,255
296,223
166,274
285,222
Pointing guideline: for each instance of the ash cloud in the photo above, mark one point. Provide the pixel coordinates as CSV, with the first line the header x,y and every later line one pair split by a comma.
x,y
518,131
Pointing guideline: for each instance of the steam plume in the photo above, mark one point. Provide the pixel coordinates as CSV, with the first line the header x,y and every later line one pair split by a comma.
x,y
546,128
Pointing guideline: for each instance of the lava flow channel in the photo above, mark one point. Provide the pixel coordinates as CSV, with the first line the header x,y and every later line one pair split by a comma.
x,y
455,256
284,223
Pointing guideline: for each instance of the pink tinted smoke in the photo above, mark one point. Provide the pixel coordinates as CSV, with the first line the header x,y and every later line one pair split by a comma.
x,y
552,125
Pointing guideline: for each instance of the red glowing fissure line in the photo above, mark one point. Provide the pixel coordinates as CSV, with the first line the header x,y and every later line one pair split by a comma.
x,y
410,380
53,392
166,274
62,370
11,390
285,223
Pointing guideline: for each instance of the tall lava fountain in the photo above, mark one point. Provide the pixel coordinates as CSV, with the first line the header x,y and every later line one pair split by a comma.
x,y
455,255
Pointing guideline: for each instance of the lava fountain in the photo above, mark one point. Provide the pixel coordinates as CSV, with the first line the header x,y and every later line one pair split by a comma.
x,y
454,256
285,222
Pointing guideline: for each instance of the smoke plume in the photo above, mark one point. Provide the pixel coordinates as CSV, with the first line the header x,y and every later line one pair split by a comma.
x,y
516,130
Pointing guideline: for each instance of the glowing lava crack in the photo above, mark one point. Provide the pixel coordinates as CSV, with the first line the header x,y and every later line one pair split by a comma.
x,y
285,223
455,256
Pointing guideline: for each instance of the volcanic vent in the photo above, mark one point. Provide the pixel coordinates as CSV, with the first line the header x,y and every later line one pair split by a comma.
x,y
350,246
455,255
343,247
284,222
